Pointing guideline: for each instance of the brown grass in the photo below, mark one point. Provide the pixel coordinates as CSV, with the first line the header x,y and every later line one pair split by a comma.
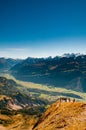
x,y
59,116
64,116
18,122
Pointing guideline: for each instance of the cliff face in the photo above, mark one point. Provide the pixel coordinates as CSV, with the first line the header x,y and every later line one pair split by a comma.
x,y
64,116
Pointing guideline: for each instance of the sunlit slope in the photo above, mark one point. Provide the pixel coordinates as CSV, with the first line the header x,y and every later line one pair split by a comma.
x,y
63,116
49,93
17,122
14,98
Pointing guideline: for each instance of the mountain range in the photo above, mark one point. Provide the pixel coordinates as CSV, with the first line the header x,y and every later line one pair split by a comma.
x,y
6,64
68,71
29,86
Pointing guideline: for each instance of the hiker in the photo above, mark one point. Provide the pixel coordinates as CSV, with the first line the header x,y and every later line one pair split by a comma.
x,y
74,100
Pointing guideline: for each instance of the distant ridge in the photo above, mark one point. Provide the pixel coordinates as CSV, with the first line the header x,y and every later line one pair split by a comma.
x,y
68,71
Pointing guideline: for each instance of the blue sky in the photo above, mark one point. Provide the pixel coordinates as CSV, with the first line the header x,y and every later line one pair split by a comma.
x,y
40,28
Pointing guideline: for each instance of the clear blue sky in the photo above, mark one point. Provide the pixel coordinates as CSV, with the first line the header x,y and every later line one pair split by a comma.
x,y
40,28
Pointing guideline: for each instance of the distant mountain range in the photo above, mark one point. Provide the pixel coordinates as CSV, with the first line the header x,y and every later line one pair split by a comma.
x,y
6,64
22,103
68,71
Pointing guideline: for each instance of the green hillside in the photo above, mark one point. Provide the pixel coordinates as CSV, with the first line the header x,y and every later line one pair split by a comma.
x,y
49,93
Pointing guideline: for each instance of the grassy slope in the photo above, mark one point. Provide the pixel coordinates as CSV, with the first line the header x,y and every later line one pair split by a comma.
x,y
26,122
64,116
67,115
18,122
47,92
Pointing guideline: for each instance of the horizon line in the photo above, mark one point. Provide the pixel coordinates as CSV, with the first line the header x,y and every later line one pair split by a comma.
x,y
45,57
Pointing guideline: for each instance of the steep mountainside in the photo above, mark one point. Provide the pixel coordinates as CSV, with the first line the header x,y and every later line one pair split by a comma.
x,y
18,110
17,122
68,71
59,116
63,116
6,64
12,98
